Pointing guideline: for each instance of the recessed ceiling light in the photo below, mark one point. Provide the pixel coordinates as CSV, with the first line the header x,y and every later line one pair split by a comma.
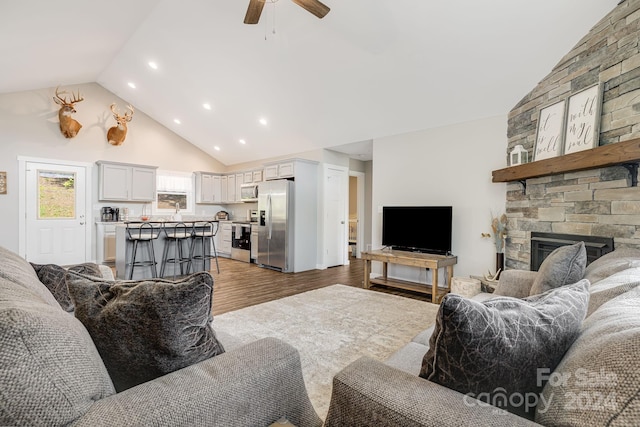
x,y
206,106
177,121
216,148
153,65
263,121
242,141
132,85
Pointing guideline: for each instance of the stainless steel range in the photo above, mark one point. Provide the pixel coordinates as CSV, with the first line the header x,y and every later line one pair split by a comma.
x,y
241,241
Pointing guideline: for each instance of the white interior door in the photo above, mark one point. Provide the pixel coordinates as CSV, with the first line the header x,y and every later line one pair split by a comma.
x,y
336,240
56,223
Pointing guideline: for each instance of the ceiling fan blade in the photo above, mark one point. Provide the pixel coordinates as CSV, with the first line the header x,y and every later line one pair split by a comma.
x,y
254,11
314,6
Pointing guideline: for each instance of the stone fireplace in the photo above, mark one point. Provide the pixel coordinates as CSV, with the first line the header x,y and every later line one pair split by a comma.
x,y
595,202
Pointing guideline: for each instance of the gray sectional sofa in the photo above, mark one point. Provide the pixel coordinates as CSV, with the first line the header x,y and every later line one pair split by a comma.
x,y
596,383
51,373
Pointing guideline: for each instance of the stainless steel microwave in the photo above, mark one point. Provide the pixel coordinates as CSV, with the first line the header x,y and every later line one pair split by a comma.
x,y
249,192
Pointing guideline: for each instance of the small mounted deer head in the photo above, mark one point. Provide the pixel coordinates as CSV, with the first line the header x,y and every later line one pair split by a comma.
x,y
118,133
68,126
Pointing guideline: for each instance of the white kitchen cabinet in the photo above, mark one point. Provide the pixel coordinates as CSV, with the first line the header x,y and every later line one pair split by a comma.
x,y
270,172
231,188
208,188
285,170
224,198
105,242
224,241
252,176
143,184
279,171
239,182
126,182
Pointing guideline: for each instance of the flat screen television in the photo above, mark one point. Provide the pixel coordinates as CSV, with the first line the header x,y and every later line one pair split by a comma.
x,y
417,228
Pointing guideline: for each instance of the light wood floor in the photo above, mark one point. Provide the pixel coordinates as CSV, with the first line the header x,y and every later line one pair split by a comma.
x,y
240,284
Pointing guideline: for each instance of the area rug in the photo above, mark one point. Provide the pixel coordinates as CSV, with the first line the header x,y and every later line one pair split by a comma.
x,y
331,327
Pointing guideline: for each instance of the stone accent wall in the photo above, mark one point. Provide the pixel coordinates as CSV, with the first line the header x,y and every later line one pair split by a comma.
x,y
598,202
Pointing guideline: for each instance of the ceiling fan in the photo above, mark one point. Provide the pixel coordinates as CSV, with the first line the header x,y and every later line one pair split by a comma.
x,y
255,9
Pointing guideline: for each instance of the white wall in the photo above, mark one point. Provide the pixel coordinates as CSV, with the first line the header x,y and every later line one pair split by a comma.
x,y
29,127
445,166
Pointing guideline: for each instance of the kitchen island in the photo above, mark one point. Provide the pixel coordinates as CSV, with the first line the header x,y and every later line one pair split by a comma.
x,y
124,247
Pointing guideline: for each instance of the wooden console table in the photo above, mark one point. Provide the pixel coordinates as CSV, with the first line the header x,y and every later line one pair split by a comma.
x,y
413,259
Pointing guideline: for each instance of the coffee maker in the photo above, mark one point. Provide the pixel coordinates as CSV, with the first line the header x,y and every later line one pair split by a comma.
x,y
109,214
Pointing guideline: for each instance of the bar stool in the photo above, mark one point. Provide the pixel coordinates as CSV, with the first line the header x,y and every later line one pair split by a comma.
x,y
177,234
205,231
142,233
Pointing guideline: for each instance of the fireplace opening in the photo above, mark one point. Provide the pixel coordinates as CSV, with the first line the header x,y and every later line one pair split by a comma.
x,y
542,244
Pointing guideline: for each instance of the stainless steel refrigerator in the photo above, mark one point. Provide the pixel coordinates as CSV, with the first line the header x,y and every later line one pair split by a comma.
x,y
275,229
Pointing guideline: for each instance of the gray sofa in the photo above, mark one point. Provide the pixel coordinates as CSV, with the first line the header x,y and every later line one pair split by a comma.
x,y
596,383
52,374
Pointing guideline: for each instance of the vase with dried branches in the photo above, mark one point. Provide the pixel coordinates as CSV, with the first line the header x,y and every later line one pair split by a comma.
x,y
499,234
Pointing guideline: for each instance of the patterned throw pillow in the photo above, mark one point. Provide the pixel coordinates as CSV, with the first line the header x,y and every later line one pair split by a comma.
x,y
495,350
563,266
53,277
87,268
145,329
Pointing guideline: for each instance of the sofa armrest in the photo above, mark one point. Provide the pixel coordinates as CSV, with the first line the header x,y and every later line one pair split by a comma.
x,y
515,283
370,393
254,385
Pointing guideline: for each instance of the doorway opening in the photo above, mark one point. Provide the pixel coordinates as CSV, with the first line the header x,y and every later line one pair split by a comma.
x,y
356,213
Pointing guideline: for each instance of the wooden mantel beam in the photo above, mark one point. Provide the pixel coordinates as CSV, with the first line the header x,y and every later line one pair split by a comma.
x,y
613,154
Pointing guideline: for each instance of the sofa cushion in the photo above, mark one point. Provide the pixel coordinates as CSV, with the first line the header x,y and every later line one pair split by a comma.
x,y
612,286
515,283
408,358
598,381
611,263
145,329
563,266
53,277
496,347
18,271
50,370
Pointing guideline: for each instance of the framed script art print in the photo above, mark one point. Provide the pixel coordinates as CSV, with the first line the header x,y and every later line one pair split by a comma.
x,y
583,120
550,132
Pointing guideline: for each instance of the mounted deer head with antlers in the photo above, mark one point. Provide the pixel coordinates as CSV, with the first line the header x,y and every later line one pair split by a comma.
x,y
118,133
68,126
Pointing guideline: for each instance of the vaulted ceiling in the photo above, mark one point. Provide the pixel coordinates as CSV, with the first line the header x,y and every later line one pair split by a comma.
x,y
369,69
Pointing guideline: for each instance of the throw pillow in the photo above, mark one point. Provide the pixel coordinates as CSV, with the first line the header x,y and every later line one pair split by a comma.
x,y
87,268
53,277
494,350
145,329
597,382
561,267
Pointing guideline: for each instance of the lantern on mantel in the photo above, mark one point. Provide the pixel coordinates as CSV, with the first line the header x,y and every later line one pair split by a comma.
x,y
519,155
